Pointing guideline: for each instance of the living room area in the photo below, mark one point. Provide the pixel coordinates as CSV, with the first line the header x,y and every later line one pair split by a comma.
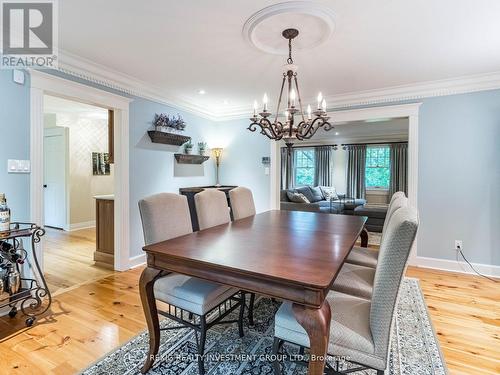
x,y
353,170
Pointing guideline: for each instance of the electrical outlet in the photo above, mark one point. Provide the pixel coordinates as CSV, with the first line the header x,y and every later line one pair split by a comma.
x,y
458,245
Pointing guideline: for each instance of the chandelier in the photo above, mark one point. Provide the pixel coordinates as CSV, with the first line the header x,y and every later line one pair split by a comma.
x,y
286,127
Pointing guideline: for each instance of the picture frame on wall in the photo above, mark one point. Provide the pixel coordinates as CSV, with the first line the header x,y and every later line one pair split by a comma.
x,y
101,164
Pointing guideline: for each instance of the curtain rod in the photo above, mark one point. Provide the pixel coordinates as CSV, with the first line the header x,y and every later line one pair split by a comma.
x,y
374,143
313,146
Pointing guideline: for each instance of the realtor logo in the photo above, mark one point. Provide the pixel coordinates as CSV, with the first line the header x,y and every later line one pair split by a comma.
x,y
29,34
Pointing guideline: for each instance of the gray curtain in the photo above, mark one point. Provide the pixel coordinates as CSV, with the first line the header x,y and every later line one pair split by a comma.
x,y
399,168
323,168
356,164
287,169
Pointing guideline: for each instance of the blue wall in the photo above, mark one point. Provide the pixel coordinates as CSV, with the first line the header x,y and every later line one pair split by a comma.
x,y
459,176
14,130
242,160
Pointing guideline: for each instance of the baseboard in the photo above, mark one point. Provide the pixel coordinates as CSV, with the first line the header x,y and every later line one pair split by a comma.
x,y
137,261
83,225
456,266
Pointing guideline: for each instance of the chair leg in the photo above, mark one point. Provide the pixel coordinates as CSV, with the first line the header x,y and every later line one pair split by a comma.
x,y
380,372
242,313
250,309
201,344
276,349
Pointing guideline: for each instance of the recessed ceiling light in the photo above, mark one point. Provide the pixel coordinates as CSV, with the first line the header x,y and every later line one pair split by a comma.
x,y
201,92
225,102
336,133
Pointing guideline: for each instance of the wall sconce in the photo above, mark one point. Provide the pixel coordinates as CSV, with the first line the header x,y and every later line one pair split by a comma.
x,y
217,153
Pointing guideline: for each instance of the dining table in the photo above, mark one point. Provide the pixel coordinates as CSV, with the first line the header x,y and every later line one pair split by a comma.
x,y
287,255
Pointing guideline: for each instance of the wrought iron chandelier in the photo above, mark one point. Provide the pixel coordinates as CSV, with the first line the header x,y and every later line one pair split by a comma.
x,y
287,128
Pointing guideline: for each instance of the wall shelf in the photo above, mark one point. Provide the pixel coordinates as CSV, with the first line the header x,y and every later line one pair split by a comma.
x,y
168,138
190,159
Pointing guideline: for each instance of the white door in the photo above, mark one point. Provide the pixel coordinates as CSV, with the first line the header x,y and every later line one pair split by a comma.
x,y
55,169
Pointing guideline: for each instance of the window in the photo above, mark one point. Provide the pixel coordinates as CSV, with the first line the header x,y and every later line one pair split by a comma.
x,y
377,170
304,166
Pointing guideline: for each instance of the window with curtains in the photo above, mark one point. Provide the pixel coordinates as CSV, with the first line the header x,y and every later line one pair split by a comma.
x,y
304,166
378,167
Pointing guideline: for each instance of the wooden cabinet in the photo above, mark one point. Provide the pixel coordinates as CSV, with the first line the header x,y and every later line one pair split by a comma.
x,y
104,256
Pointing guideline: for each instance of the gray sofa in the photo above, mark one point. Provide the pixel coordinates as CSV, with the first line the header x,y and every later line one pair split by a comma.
x,y
318,202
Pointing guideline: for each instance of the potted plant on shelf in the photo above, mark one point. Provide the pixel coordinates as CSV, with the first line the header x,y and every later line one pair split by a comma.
x,y
168,123
202,146
188,147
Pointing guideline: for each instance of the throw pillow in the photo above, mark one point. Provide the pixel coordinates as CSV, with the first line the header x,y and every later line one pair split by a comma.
x,y
317,195
297,197
307,191
329,192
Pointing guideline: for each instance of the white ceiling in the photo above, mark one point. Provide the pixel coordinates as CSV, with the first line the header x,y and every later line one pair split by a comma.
x,y
176,48
395,129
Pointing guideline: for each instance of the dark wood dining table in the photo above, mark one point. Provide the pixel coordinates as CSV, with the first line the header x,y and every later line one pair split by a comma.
x,y
289,255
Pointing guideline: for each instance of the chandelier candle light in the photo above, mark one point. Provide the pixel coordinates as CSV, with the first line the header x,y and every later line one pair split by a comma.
x,y
287,129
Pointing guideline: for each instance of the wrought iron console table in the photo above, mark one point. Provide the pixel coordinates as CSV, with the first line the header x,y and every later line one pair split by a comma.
x,y
33,296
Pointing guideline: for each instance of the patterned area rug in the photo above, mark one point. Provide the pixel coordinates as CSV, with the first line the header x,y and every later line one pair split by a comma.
x,y
414,348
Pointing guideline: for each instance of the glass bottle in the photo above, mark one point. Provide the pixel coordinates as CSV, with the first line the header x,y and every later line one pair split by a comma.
x,y
4,215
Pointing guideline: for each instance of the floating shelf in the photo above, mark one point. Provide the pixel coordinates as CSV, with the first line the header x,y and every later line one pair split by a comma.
x,y
167,138
190,159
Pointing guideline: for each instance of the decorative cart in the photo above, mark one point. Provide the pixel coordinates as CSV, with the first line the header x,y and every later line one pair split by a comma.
x,y
18,291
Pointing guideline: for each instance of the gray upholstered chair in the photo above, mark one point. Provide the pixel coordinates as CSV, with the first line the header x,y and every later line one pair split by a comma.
x,y
360,329
212,208
190,300
368,257
242,202
356,279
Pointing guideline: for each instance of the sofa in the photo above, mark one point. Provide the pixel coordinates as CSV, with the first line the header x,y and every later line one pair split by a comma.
x,y
318,203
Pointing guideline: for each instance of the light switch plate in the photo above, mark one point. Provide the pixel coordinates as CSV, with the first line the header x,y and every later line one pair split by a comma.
x,y
18,166
18,76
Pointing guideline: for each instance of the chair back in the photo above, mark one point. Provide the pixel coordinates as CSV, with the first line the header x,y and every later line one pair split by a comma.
x,y
211,208
393,256
164,216
395,205
397,194
242,202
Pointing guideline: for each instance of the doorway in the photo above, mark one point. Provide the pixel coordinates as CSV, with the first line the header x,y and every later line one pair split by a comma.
x,y
408,111
78,172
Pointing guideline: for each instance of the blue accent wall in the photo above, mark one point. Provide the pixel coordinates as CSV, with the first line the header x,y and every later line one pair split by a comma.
x,y
15,142
459,176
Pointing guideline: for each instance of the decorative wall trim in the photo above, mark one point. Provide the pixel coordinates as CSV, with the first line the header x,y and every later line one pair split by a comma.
x,y
456,266
83,225
85,69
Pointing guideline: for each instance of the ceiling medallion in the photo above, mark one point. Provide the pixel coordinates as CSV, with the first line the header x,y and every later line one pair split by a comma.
x,y
315,20
287,129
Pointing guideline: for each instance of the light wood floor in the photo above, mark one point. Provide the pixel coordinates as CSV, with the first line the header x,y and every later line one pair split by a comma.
x,y
88,321
68,258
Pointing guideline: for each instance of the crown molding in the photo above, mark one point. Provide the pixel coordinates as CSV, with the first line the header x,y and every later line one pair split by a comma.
x,y
87,70
82,68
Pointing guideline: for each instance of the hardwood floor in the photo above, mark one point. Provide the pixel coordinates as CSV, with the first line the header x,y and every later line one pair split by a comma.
x,y
68,258
90,320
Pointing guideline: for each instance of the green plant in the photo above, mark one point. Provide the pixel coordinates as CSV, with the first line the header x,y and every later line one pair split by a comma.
x,y
202,146
188,147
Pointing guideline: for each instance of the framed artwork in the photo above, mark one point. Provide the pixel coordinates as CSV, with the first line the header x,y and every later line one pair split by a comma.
x,y
100,164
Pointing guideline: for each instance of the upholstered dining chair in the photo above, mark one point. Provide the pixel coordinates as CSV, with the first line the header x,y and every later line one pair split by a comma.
x,y
212,208
360,329
192,302
356,279
242,202
368,257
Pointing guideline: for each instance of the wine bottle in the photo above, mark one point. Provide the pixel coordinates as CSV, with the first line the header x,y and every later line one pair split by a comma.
x,y
4,215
